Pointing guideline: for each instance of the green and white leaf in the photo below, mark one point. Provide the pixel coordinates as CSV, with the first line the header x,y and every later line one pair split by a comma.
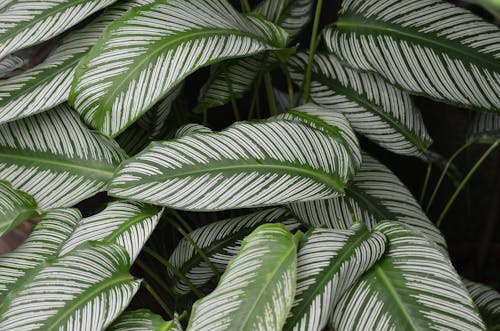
x,y
375,194
487,301
28,22
429,47
47,85
55,158
142,56
485,128
15,207
143,320
220,241
245,165
256,291
191,128
329,262
10,63
413,287
379,111
292,15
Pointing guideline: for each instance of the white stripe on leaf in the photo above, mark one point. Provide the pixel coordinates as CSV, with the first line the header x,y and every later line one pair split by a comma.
x,y
291,15
15,207
428,47
485,128
10,63
487,301
143,320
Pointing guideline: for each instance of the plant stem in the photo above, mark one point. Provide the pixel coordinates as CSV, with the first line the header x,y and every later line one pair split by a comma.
x,y
443,173
245,6
289,84
270,95
312,50
236,111
426,182
158,299
176,271
205,116
154,276
465,180
181,220
255,97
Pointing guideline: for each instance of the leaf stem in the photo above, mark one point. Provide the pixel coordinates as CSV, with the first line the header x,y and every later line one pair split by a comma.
x,y
236,111
426,182
181,220
312,50
465,180
154,276
158,299
255,97
289,84
270,95
245,6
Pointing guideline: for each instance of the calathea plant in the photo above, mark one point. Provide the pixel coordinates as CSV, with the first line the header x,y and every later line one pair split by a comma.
x,y
276,222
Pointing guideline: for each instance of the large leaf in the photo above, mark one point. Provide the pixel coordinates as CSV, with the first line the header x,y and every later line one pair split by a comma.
x,y
413,287
143,320
220,242
374,195
48,84
485,129
15,207
248,164
55,158
291,15
147,52
27,22
487,301
375,109
329,262
257,289
428,47
9,64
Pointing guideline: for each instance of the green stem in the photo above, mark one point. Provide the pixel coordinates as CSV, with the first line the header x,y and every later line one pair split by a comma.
x,y
245,6
465,180
236,111
426,182
158,299
289,84
255,98
205,116
443,174
176,271
181,220
154,277
312,50
270,95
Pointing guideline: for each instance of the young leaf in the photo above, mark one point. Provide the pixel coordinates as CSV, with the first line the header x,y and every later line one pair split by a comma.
x,y
146,53
245,165
487,301
413,287
220,241
29,22
485,129
291,15
374,108
10,63
257,289
55,158
431,47
374,195
15,207
329,262
143,320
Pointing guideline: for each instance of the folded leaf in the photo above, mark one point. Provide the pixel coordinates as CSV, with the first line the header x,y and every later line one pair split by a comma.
x,y
28,22
413,287
143,320
257,289
374,108
432,48
9,64
487,301
248,164
329,262
146,53
15,207
485,129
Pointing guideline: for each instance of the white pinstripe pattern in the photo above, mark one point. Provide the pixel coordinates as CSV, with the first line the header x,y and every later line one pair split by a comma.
x,y
15,207
10,63
191,128
143,320
293,17
485,128
487,301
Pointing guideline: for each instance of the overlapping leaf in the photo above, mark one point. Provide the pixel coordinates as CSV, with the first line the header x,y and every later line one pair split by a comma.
x,y
413,287
248,164
143,320
428,47
374,108
150,50
374,195
257,289
291,15
15,207
9,64
485,128
55,158
487,301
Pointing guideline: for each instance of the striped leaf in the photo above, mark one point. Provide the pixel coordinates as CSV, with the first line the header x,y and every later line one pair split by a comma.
x,y
48,84
427,47
292,15
10,63
146,53
15,207
55,158
257,289
28,22
485,129
377,110
143,320
487,301
245,165
329,262
191,128
413,287
220,241
134,139
374,195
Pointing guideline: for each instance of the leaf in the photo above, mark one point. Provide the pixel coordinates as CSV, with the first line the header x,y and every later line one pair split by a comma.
x,y
191,128
15,207
9,64
220,241
257,289
485,129
291,15
329,262
374,195
29,22
47,85
430,48
374,108
413,287
55,158
245,165
487,301
143,320
147,52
